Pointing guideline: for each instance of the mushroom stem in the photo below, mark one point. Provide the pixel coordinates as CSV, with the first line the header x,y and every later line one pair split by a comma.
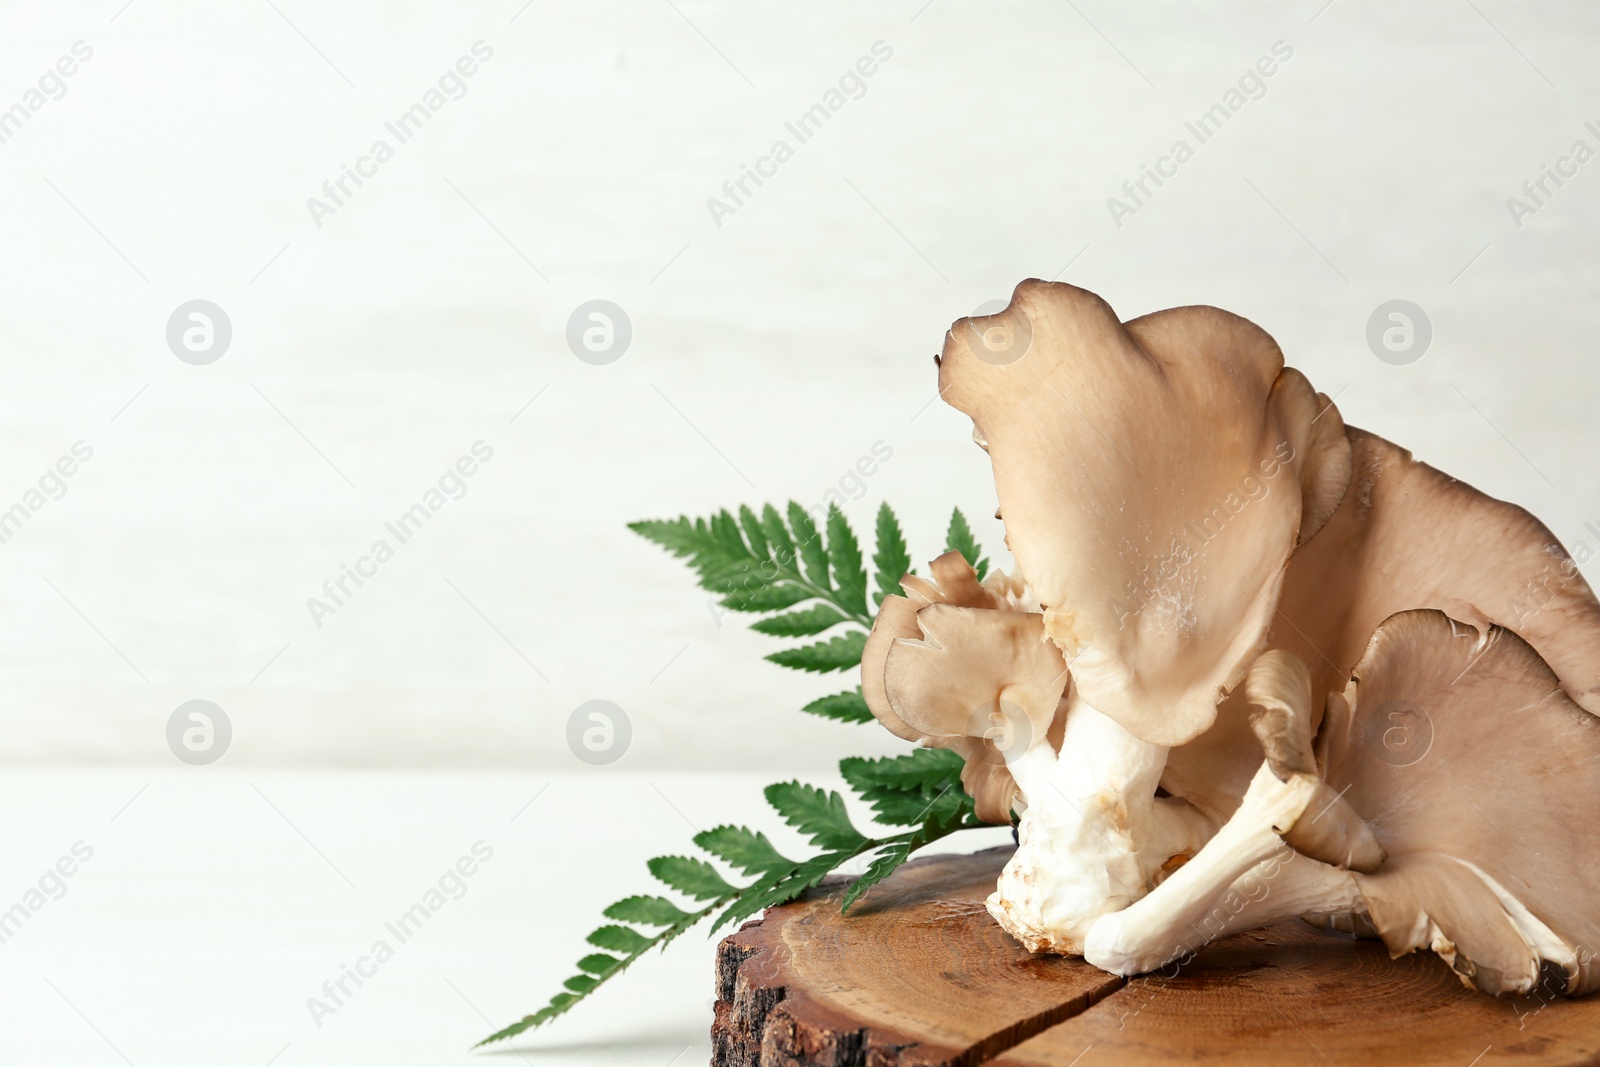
x,y
1089,811
1287,810
1286,885
1238,880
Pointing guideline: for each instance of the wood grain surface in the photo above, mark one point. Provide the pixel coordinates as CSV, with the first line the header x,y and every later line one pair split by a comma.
x,y
919,974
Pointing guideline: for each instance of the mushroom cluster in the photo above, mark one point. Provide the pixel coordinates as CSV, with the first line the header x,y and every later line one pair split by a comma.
x,y
1255,664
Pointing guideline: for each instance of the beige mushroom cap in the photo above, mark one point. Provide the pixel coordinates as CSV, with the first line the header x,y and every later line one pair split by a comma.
x,y
1154,477
897,618
1481,779
944,665
1405,536
970,666
1410,536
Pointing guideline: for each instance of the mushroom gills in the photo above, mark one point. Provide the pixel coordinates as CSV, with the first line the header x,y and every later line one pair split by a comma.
x,y
1402,837
1486,809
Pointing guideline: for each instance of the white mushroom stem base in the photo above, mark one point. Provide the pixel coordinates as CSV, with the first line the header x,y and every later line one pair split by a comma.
x,y
1243,878
1092,838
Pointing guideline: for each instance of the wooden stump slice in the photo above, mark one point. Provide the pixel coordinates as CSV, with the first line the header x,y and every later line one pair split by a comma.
x,y
919,974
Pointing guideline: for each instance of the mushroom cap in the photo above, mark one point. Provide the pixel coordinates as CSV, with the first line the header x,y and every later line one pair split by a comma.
x,y
897,618
1480,777
1279,690
1405,536
1411,536
940,678
969,667
1154,477
984,777
953,582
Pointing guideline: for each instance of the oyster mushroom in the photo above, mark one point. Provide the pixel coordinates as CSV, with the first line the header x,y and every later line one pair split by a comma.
x,y
1453,811
1405,536
1178,501
961,665
1288,813
985,776
1488,809
1155,477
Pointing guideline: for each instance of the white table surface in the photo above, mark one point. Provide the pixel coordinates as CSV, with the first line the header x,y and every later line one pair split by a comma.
x,y
207,917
